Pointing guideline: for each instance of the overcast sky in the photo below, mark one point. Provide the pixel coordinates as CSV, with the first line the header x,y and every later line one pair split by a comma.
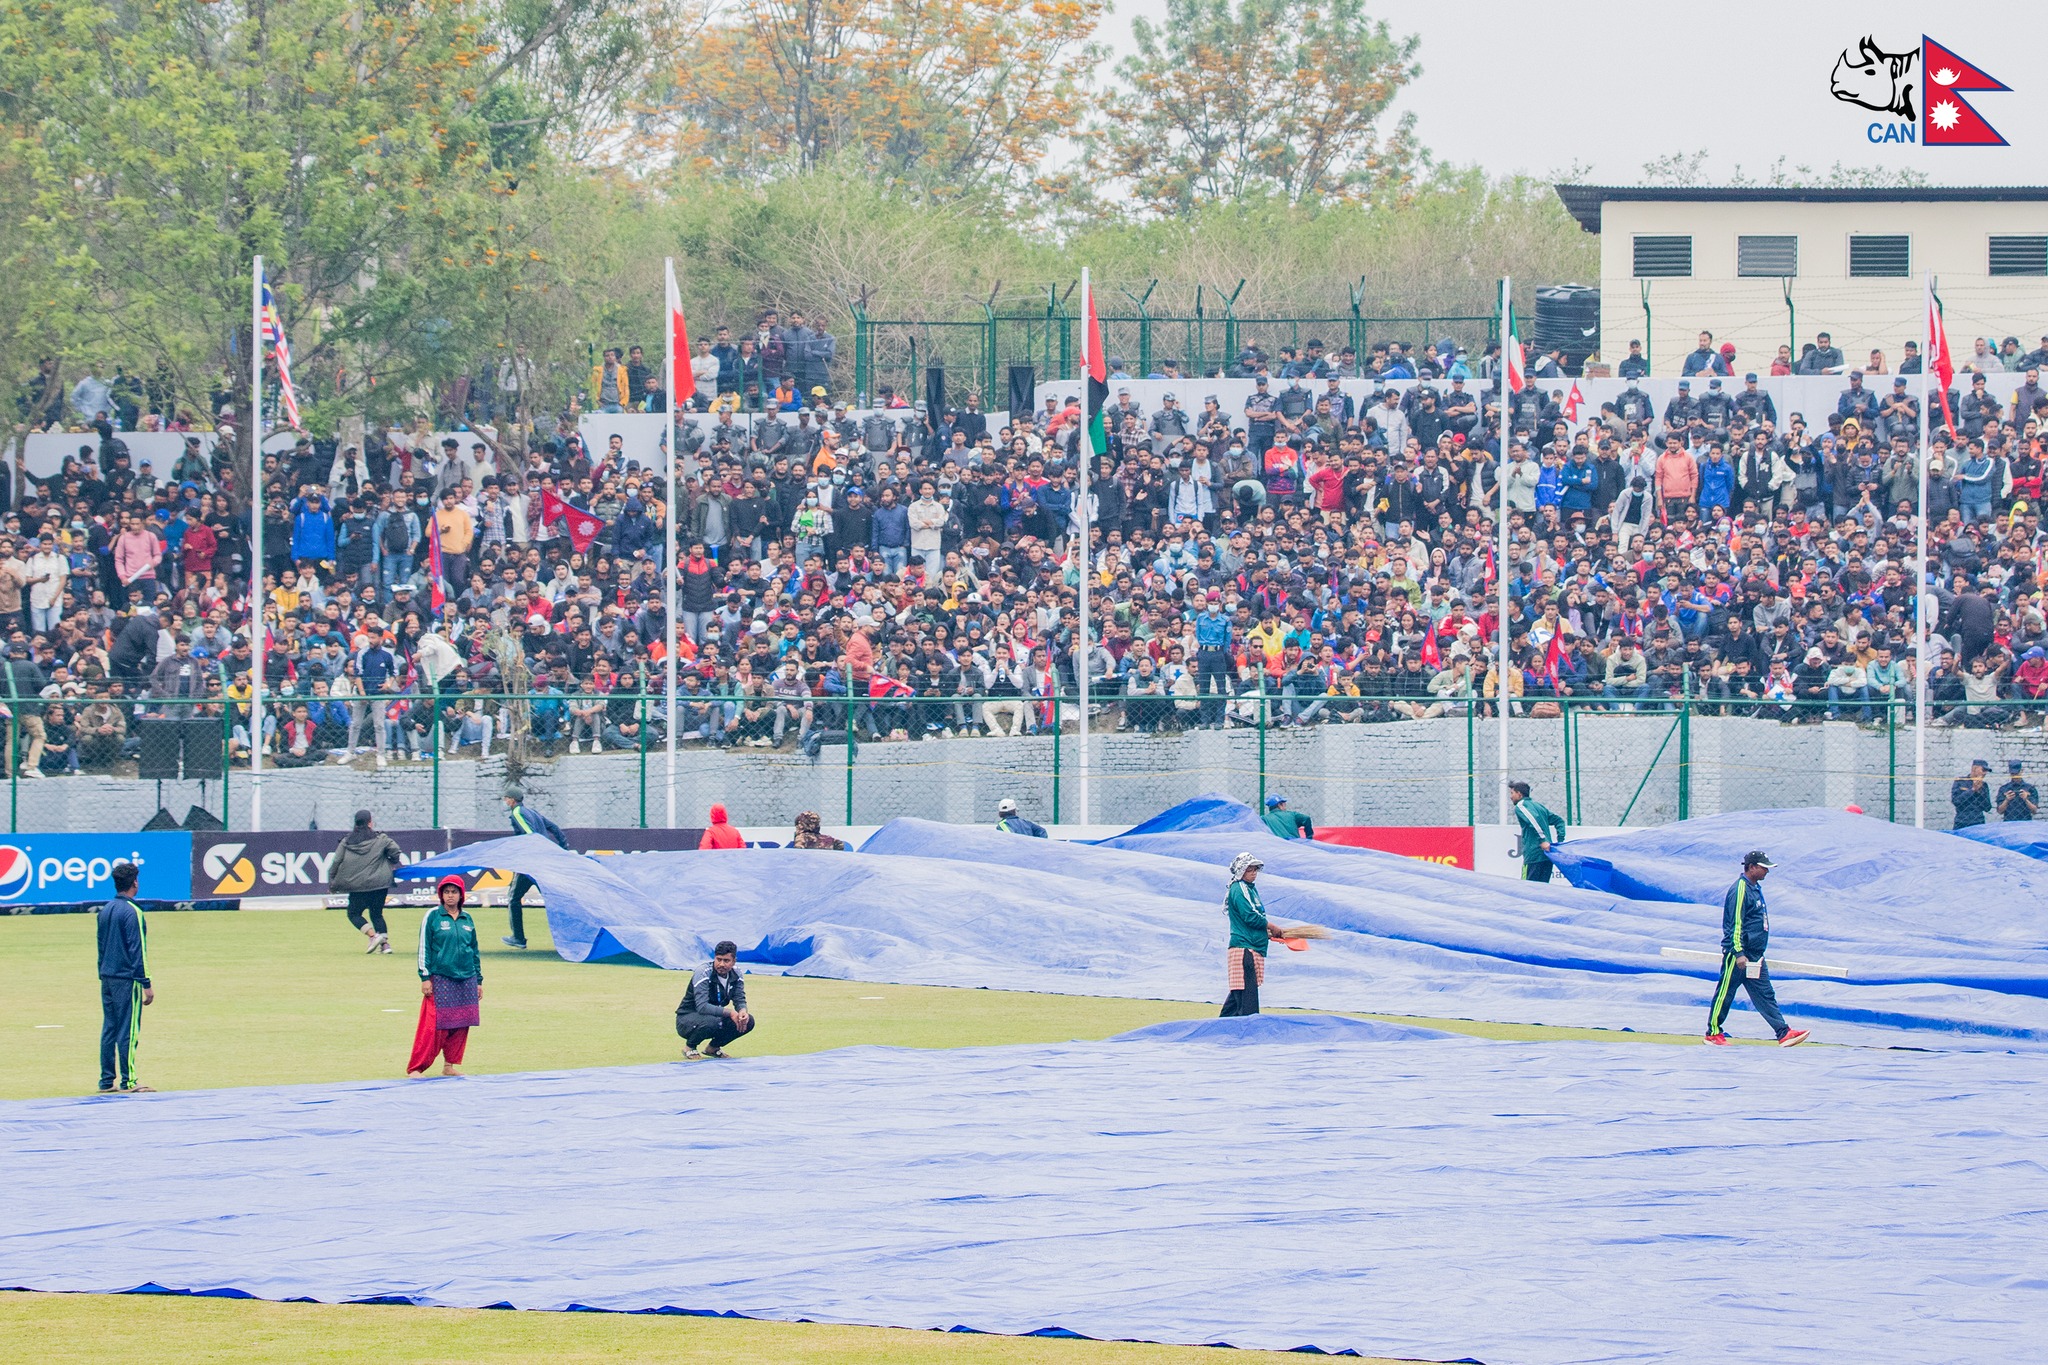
x,y
1611,85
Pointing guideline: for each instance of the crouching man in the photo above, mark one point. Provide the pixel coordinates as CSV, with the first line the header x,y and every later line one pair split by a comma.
x,y
714,1009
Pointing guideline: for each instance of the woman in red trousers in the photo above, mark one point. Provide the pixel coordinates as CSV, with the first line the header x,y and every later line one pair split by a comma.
x,y
451,982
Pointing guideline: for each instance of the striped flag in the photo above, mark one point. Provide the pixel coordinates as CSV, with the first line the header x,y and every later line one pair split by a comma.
x,y
437,589
1096,376
281,351
1514,361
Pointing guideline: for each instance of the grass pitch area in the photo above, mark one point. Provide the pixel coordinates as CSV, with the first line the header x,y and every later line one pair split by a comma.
x,y
272,998
70,1329
284,997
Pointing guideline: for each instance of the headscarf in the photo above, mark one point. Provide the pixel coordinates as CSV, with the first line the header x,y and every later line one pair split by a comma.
x,y
1243,863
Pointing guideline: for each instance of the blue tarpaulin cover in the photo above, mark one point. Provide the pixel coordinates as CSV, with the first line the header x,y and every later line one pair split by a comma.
x,y
2018,836
1438,1199
1141,916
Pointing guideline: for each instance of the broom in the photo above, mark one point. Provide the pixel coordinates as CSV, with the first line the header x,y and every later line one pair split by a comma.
x,y
1296,936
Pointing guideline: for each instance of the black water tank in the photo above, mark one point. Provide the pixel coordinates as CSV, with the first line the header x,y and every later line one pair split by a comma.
x,y
1568,315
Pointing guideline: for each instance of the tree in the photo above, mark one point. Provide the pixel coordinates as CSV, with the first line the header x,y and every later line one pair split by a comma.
x,y
163,144
939,96
1237,99
1691,168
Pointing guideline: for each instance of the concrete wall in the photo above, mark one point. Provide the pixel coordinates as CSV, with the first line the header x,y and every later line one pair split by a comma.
x,y
1410,773
1949,239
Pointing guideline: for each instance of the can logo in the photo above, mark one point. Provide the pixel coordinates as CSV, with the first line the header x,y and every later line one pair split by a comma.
x,y
17,872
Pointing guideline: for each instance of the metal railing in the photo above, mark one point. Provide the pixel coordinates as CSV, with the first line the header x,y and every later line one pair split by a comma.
x,y
601,759
975,352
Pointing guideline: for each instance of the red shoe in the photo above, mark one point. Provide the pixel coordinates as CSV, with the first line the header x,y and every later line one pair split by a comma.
x,y
1795,1037
1717,1040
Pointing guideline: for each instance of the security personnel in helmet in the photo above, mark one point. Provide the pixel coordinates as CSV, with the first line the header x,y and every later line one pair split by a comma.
x,y
1009,822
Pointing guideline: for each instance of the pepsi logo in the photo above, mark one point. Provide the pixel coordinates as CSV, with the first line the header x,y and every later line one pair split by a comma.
x,y
17,871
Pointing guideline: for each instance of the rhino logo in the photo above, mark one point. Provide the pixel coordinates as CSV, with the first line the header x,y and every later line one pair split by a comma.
x,y
1875,79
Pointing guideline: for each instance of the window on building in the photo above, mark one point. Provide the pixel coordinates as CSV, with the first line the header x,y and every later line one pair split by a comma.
x,y
1767,256
1657,257
2019,255
1876,257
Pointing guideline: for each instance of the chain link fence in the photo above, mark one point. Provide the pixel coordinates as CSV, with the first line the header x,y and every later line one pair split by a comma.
x,y
604,760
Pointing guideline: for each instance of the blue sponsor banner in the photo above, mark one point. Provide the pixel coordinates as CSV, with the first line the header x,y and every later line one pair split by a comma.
x,y
59,869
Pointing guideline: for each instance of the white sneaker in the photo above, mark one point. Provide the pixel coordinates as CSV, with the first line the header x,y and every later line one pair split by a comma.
x,y
31,772
575,746
596,747
384,944
380,760
372,936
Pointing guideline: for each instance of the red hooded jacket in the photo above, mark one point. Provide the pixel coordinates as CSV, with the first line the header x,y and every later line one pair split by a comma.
x,y
721,834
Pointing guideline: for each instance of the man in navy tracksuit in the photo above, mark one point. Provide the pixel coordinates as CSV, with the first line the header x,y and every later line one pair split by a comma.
x,y
526,821
124,982
1745,934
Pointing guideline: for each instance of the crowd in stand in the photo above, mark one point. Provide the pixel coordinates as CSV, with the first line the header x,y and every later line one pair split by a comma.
x,y
1305,559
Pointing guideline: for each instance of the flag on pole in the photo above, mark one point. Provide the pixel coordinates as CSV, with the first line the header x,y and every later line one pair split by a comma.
x,y
1553,658
1940,363
1948,120
1432,655
1572,401
678,341
437,590
1097,374
281,351
1512,358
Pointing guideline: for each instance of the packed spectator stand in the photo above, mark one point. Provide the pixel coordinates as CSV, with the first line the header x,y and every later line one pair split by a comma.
x,y
1320,553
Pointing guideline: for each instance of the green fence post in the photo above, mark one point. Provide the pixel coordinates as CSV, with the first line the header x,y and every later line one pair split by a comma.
x,y
849,750
1471,777
1056,755
13,774
436,694
642,708
1891,738
1685,755
1565,716
227,755
1262,739
863,351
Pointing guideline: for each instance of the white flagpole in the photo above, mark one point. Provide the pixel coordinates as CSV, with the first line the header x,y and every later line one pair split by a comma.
x,y
1920,593
1085,456
256,505
1500,572
669,304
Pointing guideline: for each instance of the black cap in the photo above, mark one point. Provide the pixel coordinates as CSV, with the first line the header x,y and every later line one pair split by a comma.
x,y
1756,857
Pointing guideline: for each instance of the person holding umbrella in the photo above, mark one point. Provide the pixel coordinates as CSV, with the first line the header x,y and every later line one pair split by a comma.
x,y
451,982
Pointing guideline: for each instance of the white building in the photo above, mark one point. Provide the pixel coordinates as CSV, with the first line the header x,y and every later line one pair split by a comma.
x,y
1765,267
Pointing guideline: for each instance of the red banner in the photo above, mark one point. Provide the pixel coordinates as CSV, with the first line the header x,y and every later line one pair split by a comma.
x,y
1450,845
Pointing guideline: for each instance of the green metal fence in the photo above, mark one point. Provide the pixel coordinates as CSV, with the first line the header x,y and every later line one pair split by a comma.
x,y
977,351
602,759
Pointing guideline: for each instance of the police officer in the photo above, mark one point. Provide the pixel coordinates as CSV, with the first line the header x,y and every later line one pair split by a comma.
x,y
1754,403
1261,419
124,983
1634,405
1169,424
1682,408
1715,407
1971,795
1745,935
2018,799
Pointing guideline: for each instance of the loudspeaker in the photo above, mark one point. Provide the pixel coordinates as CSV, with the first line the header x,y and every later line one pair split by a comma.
x,y
1023,392
205,747
162,741
199,820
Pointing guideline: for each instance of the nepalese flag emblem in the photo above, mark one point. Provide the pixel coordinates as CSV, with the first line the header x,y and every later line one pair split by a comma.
x,y
1947,119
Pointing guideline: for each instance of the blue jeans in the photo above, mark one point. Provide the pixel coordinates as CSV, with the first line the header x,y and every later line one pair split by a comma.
x,y
1615,692
397,569
894,557
1836,695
